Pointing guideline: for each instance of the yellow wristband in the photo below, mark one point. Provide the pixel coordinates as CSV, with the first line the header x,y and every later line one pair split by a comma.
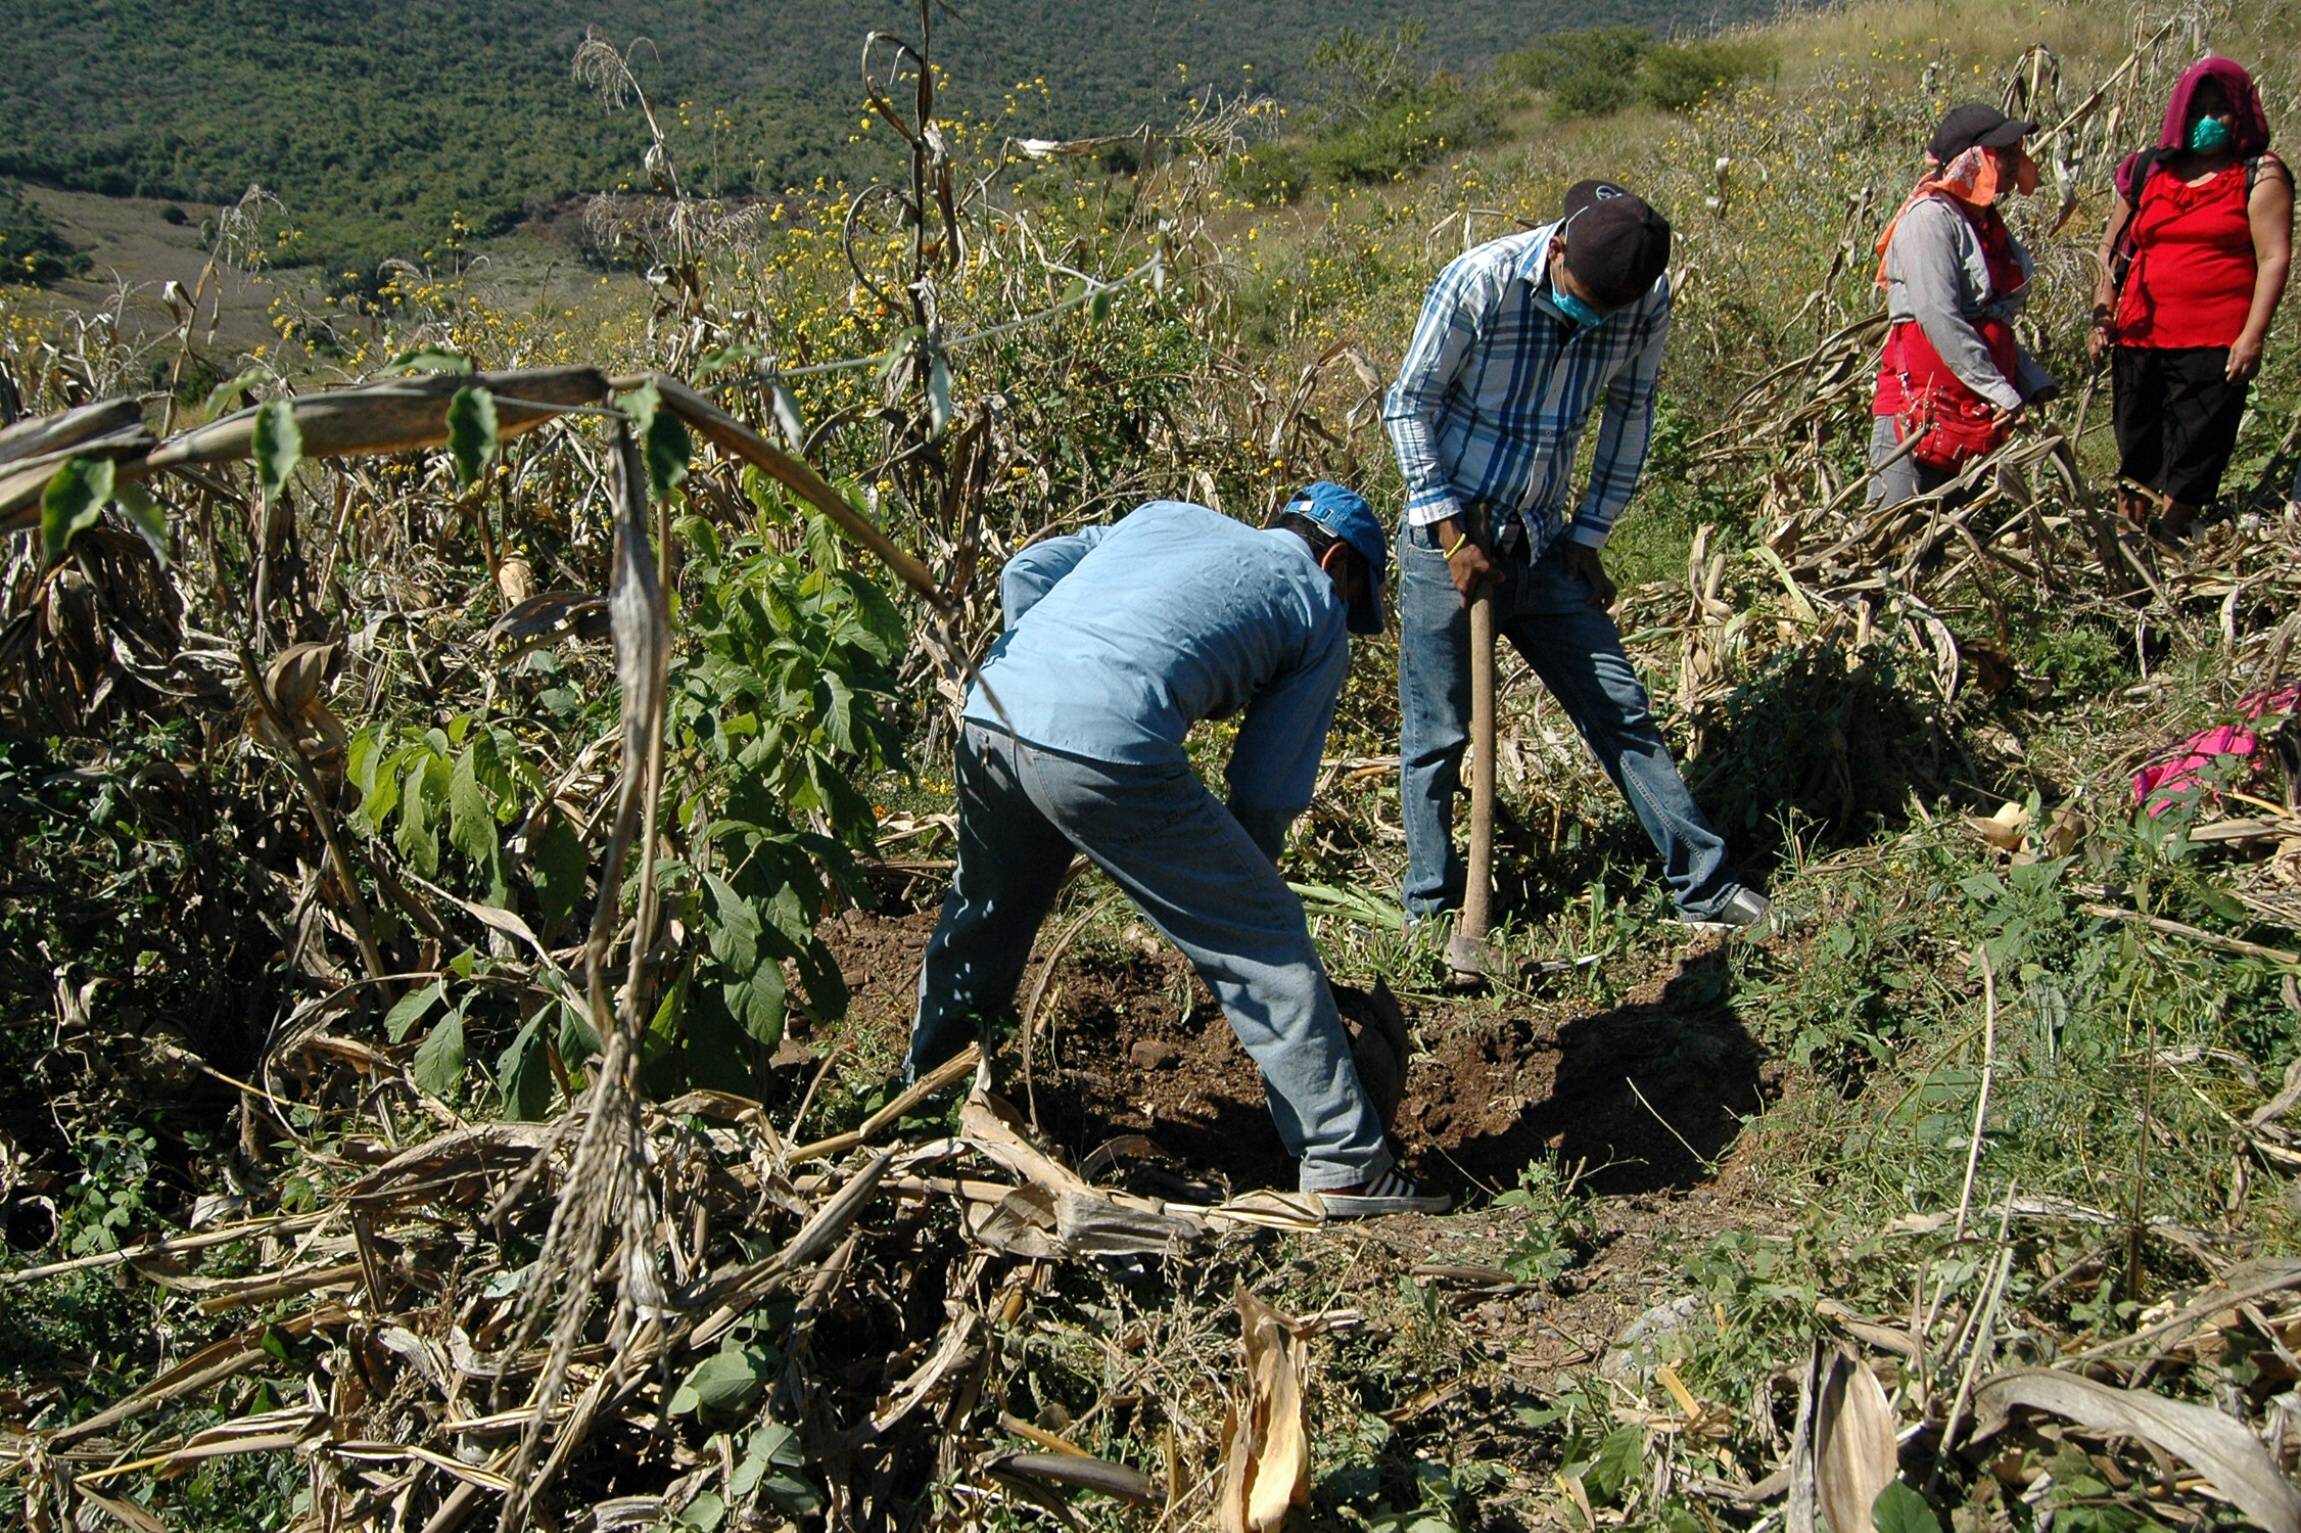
x,y
1458,542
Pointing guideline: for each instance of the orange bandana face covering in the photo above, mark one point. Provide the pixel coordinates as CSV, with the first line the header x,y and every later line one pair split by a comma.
x,y
1971,178
1975,178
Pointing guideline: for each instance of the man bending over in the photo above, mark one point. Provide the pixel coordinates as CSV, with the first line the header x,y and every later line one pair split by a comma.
x,y
1118,639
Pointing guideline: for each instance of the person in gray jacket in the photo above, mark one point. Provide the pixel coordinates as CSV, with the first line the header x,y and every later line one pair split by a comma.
x,y
1952,374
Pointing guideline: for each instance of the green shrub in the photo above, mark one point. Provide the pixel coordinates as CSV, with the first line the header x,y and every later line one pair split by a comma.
x,y
1411,133
1677,77
1592,91
1271,175
2080,659
1550,63
1585,74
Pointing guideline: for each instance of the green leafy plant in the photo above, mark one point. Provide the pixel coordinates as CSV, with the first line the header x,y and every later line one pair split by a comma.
x,y
453,788
113,1197
1862,989
727,1383
471,433
1900,1509
1558,1228
1608,1460
2026,916
781,706
2084,1502
773,1468
2078,659
279,444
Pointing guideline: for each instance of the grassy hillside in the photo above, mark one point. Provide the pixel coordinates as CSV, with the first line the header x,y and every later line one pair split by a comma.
x,y
31,250
378,126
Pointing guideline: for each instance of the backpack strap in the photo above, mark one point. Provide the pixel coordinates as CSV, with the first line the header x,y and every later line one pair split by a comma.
x,y
2264,162
2146,165
2121,259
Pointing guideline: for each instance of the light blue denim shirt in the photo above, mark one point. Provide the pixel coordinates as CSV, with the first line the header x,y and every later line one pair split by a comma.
x,y
1120,638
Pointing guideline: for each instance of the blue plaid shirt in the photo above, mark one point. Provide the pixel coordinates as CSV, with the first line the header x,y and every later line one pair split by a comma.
x,y
1496,386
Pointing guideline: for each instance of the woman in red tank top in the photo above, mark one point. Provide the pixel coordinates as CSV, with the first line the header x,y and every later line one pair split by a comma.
x,y
2193,264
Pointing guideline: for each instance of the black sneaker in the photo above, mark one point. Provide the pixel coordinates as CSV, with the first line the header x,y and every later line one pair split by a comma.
x,y
1392,1192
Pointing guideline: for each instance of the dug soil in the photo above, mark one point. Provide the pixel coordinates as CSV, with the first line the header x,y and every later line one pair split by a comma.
x,y
1645,1097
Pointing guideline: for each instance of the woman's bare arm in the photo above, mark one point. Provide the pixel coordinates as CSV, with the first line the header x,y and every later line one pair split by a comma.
x,y
2270,209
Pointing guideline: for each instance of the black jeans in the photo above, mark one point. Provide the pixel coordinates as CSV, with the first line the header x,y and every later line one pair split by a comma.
x,y
2176,414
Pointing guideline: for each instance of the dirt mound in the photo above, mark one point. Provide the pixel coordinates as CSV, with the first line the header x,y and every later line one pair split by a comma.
x,y
1648,1094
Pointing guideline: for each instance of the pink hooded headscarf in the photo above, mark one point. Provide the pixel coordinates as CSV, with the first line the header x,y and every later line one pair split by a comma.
x,y
2250,139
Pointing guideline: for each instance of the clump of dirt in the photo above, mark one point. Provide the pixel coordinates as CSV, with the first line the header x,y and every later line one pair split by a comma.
x,y
879,956
1647,1095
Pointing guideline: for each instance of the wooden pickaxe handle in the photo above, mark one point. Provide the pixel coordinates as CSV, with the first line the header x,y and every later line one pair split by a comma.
x,y
1478,892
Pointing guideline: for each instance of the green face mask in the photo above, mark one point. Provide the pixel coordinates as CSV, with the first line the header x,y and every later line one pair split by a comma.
x,y
2208,134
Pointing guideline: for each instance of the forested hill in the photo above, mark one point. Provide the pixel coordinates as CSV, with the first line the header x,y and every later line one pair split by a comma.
x,y
376,123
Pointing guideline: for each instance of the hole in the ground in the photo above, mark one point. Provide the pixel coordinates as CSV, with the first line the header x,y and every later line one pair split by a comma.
x,y
1648,1094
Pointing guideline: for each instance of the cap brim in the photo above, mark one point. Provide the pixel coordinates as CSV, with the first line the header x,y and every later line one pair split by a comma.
x,y
1613,301
2006,135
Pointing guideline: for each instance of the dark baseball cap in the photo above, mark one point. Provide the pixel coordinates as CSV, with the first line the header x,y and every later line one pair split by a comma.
x,y
1962,127
1616,245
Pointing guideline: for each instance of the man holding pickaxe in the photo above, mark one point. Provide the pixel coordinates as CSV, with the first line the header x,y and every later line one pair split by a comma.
x,y
1518,341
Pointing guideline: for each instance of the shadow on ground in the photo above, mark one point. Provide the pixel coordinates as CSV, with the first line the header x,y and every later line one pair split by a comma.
x,y
1646,1095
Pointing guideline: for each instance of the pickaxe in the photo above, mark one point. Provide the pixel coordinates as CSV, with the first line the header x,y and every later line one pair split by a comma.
x,y
1466,956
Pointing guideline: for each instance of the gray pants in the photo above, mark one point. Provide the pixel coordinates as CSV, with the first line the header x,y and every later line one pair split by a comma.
x,y
1202,881
1904,480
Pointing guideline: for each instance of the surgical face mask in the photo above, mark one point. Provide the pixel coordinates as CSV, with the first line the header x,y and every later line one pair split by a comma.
x,y
1581,314
2208,134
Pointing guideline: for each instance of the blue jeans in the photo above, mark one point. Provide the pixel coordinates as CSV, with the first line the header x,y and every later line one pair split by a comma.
x,y
1577,651
1163,838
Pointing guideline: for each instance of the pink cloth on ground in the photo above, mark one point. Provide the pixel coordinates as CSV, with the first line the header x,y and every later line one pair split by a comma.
x,y
2182,767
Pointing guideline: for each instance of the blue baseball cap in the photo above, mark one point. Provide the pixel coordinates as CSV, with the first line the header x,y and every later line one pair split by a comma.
x,y
1345,513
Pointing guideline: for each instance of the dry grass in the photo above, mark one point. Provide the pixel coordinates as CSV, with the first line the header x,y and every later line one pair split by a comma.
x,y
1971,40
133,251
